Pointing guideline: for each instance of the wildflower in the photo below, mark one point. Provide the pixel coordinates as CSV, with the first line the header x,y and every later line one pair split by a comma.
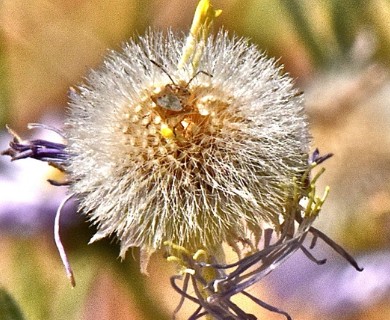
x,y
28,203
195,157
187,143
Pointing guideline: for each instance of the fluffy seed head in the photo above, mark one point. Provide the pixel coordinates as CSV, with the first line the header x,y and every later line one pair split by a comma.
x,y
195,157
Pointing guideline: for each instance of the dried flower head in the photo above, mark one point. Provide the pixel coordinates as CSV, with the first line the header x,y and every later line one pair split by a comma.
x,y
192,156
189,142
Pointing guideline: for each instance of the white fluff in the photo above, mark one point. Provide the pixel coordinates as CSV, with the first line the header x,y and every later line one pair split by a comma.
x,y
228,165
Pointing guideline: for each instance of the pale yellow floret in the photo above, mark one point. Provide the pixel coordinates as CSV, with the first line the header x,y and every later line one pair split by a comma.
x,y
201,24
166,132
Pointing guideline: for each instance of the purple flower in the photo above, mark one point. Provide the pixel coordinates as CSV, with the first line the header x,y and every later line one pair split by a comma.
x,y
28,203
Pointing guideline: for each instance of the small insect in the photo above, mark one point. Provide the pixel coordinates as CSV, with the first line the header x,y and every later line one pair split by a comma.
x,y
174,97
176,106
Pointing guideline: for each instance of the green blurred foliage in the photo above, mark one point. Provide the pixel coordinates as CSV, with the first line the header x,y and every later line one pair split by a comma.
x,y
4,84
9,310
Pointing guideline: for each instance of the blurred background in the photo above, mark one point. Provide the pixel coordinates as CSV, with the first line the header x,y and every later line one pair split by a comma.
x,y
339,54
